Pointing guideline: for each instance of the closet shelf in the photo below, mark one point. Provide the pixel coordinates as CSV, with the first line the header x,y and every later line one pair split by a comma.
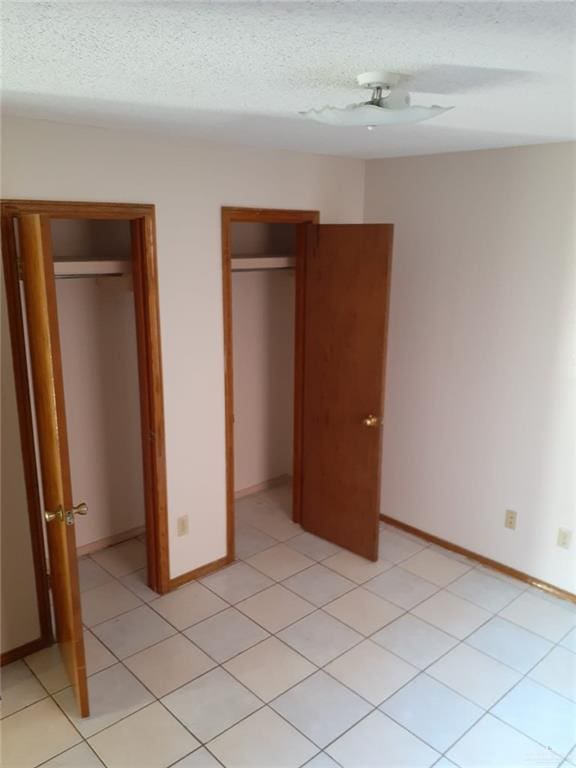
x,y
91,268
241,263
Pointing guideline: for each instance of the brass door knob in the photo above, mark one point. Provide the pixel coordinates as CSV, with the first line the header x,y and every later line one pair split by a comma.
x,y
371,421
49,516
66,514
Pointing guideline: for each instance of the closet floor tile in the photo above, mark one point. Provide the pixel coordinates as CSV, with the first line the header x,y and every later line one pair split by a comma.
x,y
271,521
91,574
279,527
280,498
249,541
122,558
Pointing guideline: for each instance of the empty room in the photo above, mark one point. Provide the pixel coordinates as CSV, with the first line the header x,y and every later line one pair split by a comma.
x,y
288,402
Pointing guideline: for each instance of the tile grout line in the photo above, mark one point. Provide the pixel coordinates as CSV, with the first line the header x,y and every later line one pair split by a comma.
x,y
315,608
421,671
319,668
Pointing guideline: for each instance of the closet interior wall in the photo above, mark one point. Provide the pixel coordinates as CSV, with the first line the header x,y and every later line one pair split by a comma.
x,y
20,623
100,369
263,316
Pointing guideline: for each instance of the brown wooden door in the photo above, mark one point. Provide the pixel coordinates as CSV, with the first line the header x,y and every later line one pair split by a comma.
x,y
46,368
347,278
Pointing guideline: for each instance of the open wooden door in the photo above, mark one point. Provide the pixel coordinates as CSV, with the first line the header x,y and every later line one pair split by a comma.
x,y
347,277
46,365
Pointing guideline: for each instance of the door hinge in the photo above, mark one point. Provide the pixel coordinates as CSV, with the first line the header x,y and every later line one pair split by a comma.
x,y
19,269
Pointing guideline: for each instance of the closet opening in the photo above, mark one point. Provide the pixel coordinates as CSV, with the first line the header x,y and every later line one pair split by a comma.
x,y
82,300
98,346
263,268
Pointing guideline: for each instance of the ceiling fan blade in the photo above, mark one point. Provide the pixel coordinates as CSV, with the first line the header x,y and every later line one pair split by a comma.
x,y
448,78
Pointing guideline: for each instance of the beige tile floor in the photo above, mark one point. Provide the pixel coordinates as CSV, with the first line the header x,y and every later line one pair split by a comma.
x,y
303,654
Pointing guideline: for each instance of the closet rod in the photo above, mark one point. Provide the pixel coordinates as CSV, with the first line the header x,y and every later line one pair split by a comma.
x,y
261,262
73,276
91,268
264,269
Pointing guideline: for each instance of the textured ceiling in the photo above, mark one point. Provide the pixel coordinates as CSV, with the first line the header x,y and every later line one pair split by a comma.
x,y
240,72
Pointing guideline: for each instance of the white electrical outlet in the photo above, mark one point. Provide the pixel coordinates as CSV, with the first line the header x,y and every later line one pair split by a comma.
x,y
564,539
510,519
182,525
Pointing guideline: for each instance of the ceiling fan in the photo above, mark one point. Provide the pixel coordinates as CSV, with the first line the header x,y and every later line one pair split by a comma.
x,y
393,108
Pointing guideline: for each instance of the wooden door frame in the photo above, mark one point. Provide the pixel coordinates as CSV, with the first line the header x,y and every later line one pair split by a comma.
x,y
145,277
267,216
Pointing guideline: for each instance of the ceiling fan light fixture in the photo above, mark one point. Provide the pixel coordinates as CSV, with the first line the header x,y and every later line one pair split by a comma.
x,y
392,109
370,115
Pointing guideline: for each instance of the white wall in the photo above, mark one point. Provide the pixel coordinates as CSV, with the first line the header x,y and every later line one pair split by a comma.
x,y
100,366
263,342
20,620
480,409
189,182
